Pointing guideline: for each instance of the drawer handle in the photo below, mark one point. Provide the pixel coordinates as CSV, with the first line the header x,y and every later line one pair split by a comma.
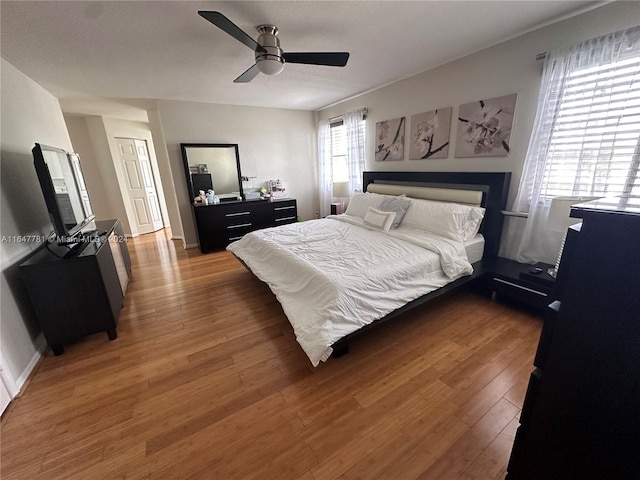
x,y
236,214
240,225
233,239
285,208
285,218
520,287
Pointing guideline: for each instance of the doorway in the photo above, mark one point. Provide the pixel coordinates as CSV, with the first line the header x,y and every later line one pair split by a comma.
x,y
145,215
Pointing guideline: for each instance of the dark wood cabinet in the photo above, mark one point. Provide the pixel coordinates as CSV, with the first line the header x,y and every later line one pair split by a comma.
x,y
218,225
82,293
581,414
521,281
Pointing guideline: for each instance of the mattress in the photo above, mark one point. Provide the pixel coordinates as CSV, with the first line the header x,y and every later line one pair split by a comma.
x,y
333,276
474,248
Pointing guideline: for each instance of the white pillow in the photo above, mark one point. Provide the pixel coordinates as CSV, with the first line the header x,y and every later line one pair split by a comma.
x,y
360,203
474,219
449,220
378,219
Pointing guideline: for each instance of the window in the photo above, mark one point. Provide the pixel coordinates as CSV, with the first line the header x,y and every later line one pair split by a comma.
x,y
347,148
594,148
339,166
341,150
585,140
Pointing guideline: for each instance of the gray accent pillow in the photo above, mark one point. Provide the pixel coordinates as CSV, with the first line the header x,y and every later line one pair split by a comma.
x,y
399,205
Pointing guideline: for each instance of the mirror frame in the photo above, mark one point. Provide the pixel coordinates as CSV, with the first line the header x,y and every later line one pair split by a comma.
x,y
183,148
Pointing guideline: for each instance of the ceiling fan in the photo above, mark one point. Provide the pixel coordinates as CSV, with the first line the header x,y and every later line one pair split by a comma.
x,y
270,58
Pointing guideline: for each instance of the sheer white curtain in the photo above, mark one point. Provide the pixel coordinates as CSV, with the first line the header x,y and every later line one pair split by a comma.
x,y
341,148
355,133
586,135
325,167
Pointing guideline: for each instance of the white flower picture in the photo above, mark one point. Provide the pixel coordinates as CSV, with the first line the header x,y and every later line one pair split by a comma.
x,y
430,134
484,127
390,140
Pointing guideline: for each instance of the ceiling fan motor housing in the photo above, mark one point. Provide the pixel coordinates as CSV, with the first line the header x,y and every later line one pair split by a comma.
x,y
269,62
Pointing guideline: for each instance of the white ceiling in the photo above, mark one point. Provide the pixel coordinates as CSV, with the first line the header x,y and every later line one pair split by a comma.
x,y
115,58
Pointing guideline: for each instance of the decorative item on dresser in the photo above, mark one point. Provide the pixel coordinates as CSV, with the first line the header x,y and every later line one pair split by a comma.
x,y
79,294
580,414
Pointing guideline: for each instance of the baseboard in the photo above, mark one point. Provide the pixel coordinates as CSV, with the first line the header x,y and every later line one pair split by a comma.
x,y
15,387
41,345
7,379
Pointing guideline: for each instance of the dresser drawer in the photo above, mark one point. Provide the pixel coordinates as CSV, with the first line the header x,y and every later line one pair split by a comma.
x,y
550,319
285,211
239,219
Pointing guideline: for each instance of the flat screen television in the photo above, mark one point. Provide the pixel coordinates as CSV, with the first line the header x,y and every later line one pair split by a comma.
x,y
65,192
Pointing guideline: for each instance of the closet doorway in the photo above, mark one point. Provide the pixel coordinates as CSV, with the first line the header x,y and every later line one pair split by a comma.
x,y
141,190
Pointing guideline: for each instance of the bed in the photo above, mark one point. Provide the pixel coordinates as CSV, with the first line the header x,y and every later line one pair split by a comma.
x,y
410,237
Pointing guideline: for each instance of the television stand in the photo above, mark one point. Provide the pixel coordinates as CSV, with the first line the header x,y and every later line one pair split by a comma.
x,y
82,292
74,251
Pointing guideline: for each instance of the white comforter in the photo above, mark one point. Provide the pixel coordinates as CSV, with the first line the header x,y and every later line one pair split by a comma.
x,y
333,276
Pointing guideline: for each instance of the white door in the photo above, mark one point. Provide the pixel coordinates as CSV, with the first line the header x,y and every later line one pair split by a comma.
x,y
149,184
139,182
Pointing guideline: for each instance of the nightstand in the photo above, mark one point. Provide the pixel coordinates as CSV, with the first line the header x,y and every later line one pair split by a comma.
x,y
521,282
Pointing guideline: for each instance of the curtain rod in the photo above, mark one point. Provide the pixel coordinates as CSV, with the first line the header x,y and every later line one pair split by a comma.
x,y
340,117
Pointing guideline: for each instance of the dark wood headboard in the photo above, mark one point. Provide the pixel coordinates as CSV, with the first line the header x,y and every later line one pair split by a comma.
x,y
494,186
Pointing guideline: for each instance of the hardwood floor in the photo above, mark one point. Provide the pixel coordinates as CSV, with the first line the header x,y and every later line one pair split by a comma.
x,y
206,381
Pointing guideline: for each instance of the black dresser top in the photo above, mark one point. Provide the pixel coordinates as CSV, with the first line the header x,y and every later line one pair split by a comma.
x,y
610,205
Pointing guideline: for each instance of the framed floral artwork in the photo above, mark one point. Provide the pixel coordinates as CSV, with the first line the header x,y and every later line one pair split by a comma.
x,y
484,127
430,134
390,140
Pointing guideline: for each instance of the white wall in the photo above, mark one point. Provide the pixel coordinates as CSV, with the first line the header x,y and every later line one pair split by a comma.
x,y
272,143
166,173
509,67
30,114
98,173
94,148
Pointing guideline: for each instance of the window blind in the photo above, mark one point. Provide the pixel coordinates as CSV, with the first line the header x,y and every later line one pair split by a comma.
x,y
594,147
340,171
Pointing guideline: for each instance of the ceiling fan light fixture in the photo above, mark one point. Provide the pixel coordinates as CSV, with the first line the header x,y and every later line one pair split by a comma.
x,y
270,66
270,61
270,58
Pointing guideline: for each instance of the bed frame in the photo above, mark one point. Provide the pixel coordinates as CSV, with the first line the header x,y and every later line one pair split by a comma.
x,y
494,187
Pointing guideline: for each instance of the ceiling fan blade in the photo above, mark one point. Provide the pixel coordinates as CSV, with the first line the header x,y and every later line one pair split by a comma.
x,y
223,23
331,59
248,75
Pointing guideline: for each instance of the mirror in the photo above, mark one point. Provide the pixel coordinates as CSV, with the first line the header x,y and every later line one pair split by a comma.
x,y
213,166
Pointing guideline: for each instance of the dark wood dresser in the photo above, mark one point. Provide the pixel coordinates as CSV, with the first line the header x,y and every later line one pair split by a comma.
x,y
581,415
218,225
79,292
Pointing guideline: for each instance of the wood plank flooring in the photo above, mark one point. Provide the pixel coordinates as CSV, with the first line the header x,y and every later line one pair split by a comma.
x,y
206,381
